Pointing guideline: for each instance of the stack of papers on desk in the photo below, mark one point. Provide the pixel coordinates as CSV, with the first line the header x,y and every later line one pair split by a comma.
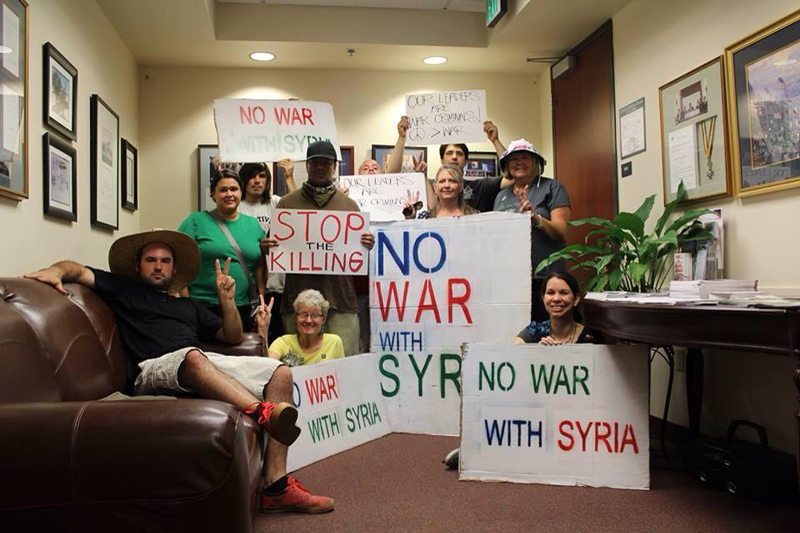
x,y
717,289
646,298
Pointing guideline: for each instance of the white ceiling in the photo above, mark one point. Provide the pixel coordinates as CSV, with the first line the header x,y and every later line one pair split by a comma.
x,y
476,6
308,34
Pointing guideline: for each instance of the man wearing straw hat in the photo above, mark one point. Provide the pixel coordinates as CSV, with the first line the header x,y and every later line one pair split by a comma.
x,y
160,333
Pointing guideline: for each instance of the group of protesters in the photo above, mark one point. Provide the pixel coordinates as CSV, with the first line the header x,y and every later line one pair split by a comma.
x,y
208,281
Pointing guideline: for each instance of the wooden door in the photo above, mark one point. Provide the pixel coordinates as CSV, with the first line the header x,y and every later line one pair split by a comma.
x,y
584,131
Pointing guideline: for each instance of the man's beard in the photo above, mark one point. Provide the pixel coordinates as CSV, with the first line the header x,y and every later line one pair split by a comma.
x,y
162,283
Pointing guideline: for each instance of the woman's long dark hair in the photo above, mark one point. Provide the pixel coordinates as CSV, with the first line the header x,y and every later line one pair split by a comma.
x,y
249,171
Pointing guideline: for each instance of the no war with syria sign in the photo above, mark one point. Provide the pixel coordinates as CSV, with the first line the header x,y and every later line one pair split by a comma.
x,y
435,284
565,415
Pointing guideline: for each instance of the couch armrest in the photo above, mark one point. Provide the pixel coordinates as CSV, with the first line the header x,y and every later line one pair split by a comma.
x,y
65,453
250,345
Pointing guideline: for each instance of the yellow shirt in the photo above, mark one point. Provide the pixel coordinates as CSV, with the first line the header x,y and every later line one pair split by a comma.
x,y
288,346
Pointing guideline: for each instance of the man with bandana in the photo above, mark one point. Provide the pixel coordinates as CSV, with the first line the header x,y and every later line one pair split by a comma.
x,y
320,193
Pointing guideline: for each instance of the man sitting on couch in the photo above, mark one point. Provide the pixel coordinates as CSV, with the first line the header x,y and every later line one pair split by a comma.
x,y
160,334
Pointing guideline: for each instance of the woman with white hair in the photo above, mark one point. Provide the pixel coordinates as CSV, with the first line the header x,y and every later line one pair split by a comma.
x,y
310,344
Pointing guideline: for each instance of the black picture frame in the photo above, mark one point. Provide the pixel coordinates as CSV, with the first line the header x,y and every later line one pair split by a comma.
x,y
14,100
130,175
60,92
347,164
104,165
380,153
481,165
59,178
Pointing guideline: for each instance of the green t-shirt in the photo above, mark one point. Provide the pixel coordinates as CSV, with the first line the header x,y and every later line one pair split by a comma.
x,y
292,354
203,228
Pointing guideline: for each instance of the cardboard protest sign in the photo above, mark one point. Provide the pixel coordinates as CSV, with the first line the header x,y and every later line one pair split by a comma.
x,y
339,406
318,242
383,196
435,284
561,415
270,130
446,117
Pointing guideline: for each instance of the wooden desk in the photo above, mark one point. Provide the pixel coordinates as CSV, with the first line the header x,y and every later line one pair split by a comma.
x,y
696,327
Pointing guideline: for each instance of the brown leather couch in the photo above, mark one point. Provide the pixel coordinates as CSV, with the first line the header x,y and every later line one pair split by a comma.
x,y
72,463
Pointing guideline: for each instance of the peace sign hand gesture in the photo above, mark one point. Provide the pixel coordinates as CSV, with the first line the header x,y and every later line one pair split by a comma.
x,y
226,285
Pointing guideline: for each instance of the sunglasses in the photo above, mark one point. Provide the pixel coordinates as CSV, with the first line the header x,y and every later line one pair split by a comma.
x,y
409,209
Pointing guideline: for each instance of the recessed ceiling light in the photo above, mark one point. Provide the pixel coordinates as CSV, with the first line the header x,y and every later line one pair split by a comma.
x,y
262,56
434,60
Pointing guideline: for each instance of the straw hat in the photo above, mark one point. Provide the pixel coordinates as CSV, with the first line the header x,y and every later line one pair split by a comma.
x,y
122,257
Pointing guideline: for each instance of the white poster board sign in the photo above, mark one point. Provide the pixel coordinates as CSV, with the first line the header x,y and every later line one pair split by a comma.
x,y
435,284
383,196
318,242
270,130
339,406
560,415
446,117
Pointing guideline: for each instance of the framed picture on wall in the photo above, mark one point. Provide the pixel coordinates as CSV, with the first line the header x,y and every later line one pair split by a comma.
x,y
279,181
130,176
60,92
694,144
347,165
208,164
481,165
207,156
14,96
632,138
104,164
763,72
381,152
59,173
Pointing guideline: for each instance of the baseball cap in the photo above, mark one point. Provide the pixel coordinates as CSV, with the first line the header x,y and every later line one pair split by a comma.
x,y
321,149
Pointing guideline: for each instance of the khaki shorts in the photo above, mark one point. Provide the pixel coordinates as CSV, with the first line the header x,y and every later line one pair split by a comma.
x,y
160,375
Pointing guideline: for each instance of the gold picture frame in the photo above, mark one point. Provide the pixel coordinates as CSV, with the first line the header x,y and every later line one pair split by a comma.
x,y
765,141
694,141
14,108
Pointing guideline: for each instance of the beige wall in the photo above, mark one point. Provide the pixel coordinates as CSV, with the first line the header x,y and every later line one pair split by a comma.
x,y
176,115
82,33
654,43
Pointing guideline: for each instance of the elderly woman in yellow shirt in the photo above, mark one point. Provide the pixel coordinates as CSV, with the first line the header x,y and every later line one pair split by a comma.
x,y
309,345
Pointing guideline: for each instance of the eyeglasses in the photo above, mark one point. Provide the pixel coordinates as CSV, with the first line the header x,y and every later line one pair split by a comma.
x,y
312,316
409,209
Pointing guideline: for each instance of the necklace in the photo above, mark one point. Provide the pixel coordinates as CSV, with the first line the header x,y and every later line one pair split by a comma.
x,y
569,338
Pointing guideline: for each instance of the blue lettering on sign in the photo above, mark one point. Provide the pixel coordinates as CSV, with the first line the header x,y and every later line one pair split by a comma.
x,y
513,433
400,341
385,245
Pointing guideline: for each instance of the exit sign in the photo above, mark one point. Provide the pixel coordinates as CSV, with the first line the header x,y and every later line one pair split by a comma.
x,y
495,9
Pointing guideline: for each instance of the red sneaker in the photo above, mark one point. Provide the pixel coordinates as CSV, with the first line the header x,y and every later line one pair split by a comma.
x,y
278,419
295,499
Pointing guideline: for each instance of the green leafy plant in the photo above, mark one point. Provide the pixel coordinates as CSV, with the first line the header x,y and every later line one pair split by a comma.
x,y
623,256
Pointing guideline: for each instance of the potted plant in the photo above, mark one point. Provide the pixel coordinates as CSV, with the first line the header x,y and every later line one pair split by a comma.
x,y
623,256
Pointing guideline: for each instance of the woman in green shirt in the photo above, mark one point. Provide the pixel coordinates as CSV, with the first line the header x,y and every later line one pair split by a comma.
x,y
205,227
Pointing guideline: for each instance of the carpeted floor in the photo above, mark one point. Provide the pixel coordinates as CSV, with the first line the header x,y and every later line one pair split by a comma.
x,y
398,483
